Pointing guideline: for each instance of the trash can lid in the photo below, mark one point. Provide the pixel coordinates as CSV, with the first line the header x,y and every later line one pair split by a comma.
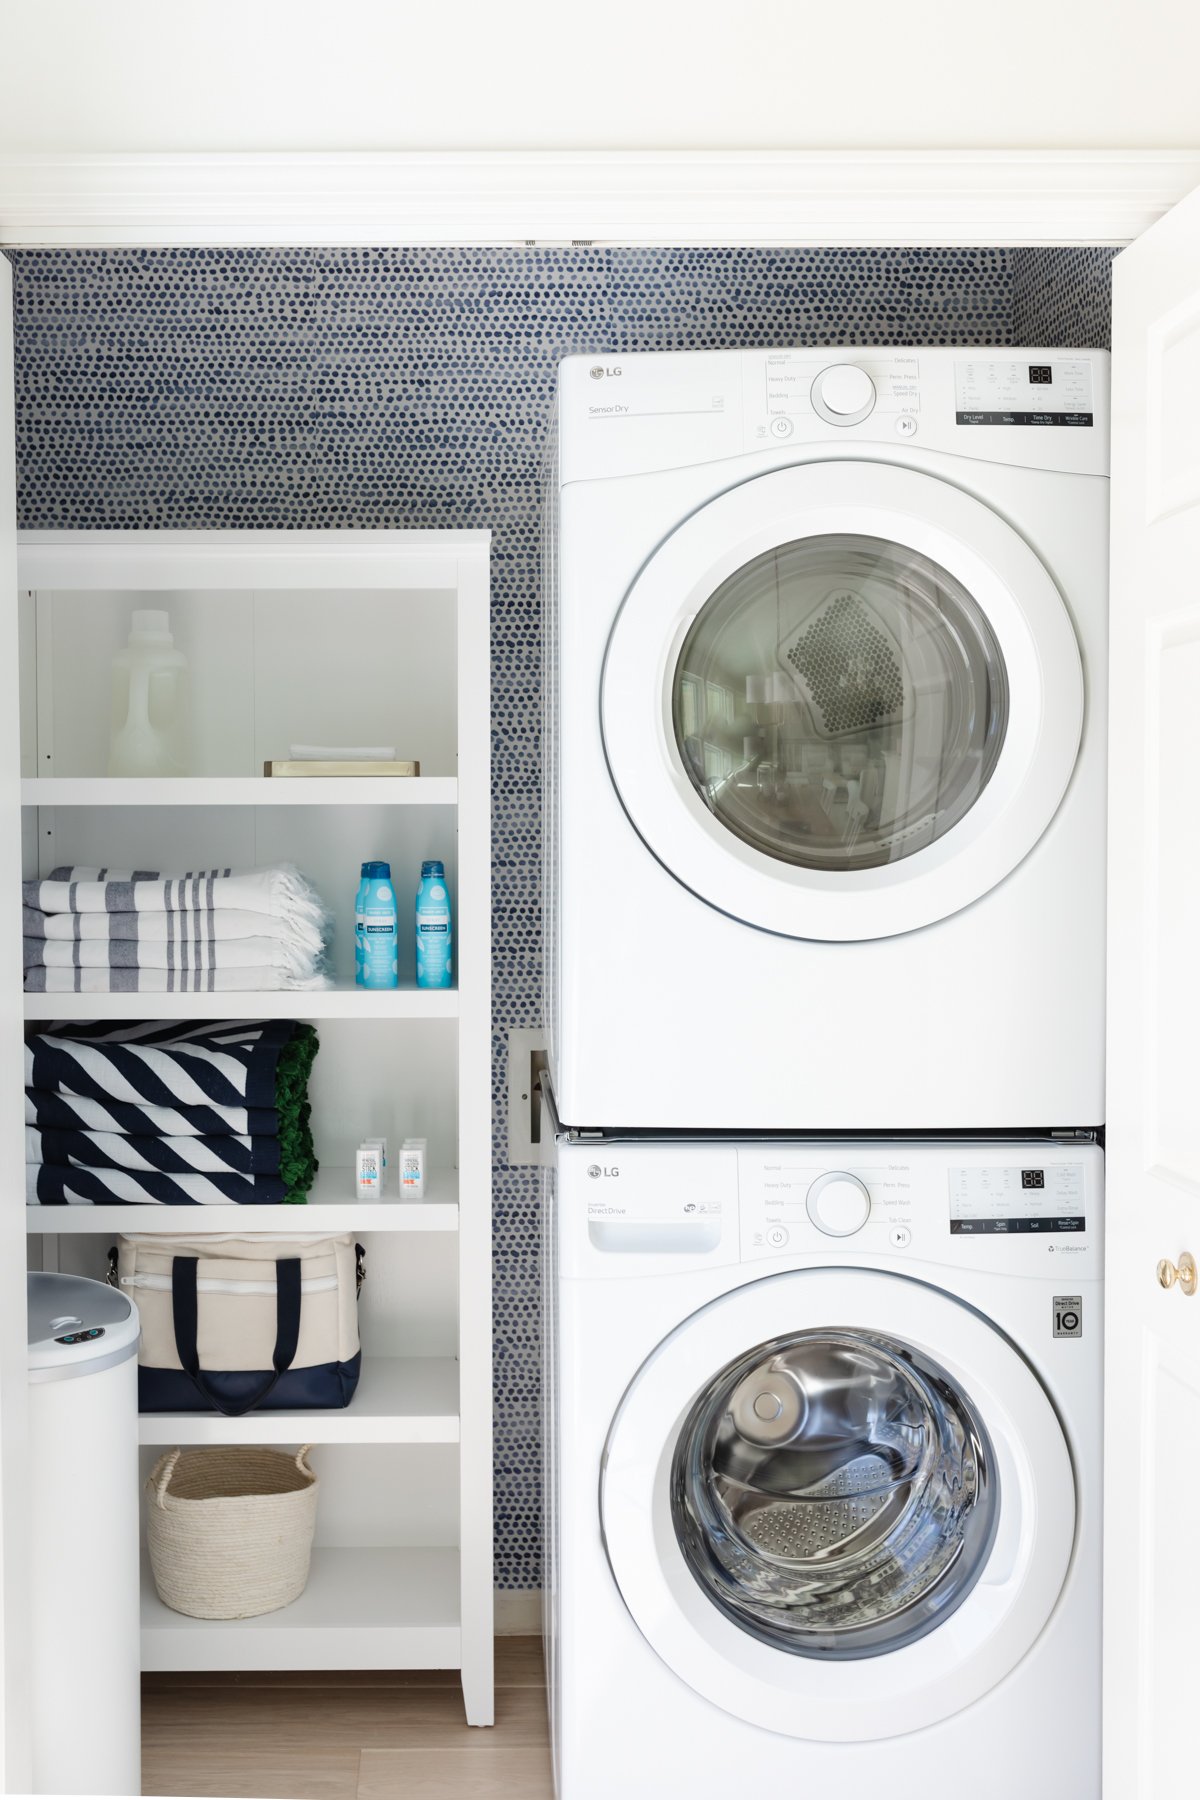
x,y
77,1327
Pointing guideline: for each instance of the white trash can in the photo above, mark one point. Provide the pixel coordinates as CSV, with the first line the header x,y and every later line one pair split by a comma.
x,y
84,1496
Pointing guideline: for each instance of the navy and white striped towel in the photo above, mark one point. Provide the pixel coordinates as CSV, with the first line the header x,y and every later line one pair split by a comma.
x,y
170,1156
46,1185
63,1112
156,1064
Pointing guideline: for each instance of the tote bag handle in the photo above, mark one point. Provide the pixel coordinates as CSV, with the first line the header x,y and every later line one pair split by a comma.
x,y
185,1313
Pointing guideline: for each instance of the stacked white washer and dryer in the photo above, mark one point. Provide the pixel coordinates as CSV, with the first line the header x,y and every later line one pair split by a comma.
x,y
825,966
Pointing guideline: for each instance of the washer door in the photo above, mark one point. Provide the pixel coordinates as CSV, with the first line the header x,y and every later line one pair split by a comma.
x,y
838,1504
842,701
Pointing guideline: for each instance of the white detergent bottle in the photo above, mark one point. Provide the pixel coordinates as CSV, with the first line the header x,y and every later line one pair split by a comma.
x,y
149,701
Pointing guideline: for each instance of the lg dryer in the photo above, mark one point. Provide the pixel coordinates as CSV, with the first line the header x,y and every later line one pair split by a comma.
x,y
826,701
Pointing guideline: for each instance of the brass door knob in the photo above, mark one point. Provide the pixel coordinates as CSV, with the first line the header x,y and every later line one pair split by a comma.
x,y
1184,1273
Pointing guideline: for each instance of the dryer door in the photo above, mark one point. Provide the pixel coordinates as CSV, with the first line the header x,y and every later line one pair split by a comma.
x,y
842,701
838,1504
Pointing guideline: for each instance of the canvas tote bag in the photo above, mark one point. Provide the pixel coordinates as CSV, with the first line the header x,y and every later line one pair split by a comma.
x,y
233,1323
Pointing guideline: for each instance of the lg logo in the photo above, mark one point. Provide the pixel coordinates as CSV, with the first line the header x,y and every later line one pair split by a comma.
x,y
598,372
595,1171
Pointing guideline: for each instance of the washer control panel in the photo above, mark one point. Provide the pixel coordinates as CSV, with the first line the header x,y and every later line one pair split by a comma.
x,y
1036,1197
838,1204
791,1201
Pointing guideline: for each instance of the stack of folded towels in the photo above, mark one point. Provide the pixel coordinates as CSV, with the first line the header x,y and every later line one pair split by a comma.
x,y
167,1114
100,931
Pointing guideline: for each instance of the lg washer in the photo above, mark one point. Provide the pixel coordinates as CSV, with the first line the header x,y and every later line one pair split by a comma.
x,y
825,1467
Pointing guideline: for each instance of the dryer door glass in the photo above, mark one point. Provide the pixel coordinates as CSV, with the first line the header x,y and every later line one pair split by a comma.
x,y
834,1493
840,702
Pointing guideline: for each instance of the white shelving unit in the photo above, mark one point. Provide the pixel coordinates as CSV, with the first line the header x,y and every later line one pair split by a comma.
x,y
342,1001
274,625
362,1609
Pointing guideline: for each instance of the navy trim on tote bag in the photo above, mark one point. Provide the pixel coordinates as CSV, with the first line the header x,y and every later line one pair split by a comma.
x,y
323,1387
185,1312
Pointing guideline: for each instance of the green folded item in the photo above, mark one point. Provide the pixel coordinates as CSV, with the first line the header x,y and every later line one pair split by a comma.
x,y
298,1163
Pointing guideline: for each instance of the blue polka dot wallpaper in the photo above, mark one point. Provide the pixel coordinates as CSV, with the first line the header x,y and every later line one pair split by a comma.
x,y
366,388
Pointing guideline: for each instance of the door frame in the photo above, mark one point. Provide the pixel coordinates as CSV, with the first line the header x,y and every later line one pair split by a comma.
x,y
583,197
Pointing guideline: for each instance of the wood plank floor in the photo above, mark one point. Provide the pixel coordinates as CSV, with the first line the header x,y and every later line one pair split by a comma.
x,y
347,1735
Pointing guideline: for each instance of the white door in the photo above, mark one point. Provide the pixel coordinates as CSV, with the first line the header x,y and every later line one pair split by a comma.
x,y
842,700
13,1470
1152,1479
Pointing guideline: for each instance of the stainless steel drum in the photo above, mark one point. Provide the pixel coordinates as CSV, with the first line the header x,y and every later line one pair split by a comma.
x,y
834,1492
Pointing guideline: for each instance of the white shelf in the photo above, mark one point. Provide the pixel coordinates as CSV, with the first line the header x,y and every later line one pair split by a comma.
x,y
270,661
331,1207
362,1609
399,1400
249,790
345,1001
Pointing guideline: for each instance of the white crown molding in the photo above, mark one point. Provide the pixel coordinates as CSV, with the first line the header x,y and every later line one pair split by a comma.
x,y
616,197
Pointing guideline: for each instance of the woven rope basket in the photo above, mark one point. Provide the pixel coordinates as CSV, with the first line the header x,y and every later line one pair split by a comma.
x,y
230,1530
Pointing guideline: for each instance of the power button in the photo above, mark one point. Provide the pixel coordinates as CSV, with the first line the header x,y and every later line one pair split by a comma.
x,y
781,427
777,1237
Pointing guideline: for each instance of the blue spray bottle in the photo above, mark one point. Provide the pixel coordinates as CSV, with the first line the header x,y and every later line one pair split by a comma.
x,y
376,929
434,968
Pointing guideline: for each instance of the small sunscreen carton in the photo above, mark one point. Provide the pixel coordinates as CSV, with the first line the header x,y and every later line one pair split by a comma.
x,y
412,1168
368,1172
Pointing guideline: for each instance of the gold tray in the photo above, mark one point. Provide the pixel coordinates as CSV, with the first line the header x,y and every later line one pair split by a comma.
x,y
341,768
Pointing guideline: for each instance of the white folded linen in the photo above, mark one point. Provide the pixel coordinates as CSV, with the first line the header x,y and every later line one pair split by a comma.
x,y
132,953
160,927
165,981
209,931
281,893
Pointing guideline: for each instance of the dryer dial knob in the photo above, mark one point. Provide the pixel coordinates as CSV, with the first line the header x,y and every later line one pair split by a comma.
x,y
838,1204
843,394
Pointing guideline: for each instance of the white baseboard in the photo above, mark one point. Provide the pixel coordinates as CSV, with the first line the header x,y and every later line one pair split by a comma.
x,y
518,1614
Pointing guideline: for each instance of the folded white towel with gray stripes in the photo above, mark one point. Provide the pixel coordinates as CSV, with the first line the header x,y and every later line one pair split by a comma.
x,y
280,892
227,923
132,953
100,930
198,978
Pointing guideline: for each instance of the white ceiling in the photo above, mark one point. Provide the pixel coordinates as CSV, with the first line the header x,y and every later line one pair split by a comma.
x,y
162,75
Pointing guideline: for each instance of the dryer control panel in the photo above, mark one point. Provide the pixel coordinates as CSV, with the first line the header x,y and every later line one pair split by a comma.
x,y
654,411
841,388
1055,390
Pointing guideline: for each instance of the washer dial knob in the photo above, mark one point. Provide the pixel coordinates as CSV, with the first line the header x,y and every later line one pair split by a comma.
x,y
838,1204
843,394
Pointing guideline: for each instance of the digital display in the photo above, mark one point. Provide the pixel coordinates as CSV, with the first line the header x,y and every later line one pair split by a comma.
x,y
1040,374
1033,1178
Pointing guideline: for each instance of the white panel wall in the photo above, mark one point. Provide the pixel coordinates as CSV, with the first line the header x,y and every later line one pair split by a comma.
x,y
375,75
